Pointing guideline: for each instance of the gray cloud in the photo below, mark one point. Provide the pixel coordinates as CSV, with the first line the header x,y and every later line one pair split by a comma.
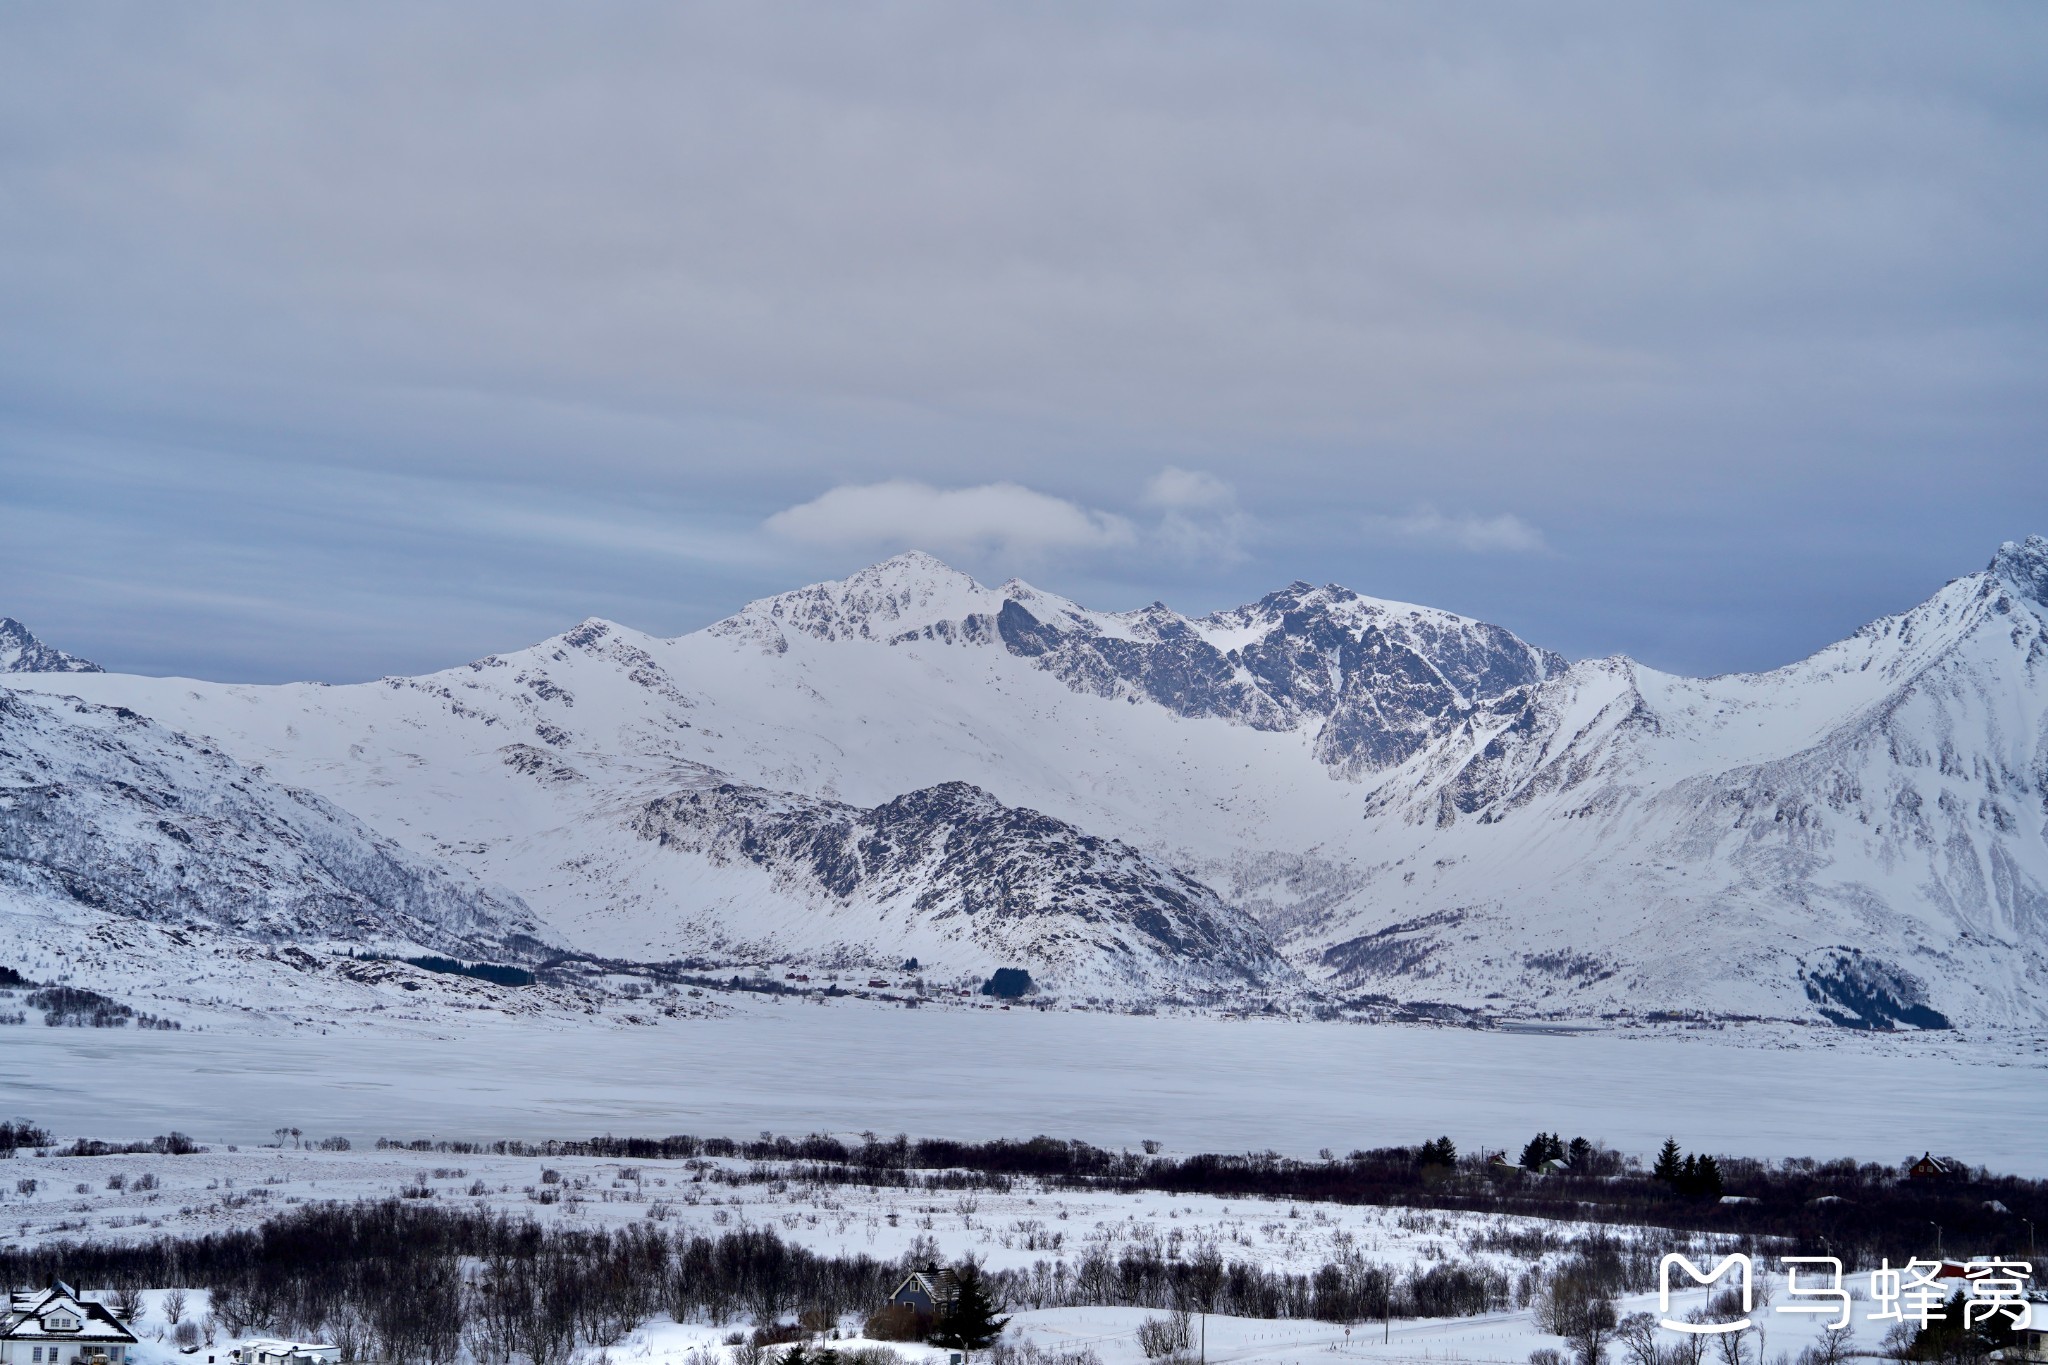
x,y
1502,533
437,326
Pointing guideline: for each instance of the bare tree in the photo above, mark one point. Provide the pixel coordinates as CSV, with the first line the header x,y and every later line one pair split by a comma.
x,y
1691,1347
1835,1346
125,1302
1592,1330
1637,1336
1733,1348
174,1306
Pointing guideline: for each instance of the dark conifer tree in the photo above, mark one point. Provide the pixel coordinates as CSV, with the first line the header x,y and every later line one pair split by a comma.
x,y
971,1320
1667,1167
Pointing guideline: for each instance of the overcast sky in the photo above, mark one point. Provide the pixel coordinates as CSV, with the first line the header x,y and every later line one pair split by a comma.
x,y
353,339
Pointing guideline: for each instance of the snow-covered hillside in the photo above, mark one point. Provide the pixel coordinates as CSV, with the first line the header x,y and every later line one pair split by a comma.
x,y
948,870
1408,803
103,809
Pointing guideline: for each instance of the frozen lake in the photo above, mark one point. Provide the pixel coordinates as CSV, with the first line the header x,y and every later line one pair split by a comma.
x,y
1193,1084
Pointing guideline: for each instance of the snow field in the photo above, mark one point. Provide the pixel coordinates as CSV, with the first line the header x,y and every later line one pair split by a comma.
x,y
1194,1084
134,1198
217,1190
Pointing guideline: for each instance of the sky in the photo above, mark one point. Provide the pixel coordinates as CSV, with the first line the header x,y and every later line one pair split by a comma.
x,y
341,341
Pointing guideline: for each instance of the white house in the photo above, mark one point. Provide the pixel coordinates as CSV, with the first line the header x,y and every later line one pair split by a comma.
x,y
2030,1344
58,1326
266,1351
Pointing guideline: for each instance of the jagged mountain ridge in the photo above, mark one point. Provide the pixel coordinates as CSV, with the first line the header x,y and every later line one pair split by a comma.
x,y
22,652
1857,835
951,865
1375,681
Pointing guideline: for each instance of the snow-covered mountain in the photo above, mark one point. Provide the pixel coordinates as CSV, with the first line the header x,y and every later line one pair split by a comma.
x,y
22,652
105,809
949,868
1399,802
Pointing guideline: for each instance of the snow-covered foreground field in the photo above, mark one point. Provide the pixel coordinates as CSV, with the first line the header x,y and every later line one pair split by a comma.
x,y
122,1198
131,1197
1192,1084
1111,1334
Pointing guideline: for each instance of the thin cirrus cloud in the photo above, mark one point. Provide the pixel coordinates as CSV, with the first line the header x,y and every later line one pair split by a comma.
x,y
1504,533
1196,516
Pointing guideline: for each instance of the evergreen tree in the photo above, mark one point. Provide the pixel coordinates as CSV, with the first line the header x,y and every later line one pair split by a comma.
x,y
1581,1153
970,1322
1534,1153
1707,1181
1667,1167
1440,1152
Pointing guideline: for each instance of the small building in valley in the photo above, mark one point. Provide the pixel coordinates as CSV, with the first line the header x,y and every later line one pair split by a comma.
x,y
929,1292
268,1351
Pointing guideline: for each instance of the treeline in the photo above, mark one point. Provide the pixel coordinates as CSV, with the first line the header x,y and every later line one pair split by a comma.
x,y
406,1282
18,1133
163,1144
1861,1212
496,973
76,1007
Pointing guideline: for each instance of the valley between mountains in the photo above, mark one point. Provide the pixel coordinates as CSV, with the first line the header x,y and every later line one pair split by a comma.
x,y
1318,802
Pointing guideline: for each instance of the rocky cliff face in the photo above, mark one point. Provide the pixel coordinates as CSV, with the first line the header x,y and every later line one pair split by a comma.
x,y
21,652
951,865
1372,682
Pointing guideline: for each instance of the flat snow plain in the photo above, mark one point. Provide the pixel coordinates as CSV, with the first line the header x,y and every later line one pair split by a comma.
x,y
1193,1084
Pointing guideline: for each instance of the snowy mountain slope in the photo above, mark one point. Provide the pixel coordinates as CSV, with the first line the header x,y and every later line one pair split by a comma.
x,y
950,867
22,652
1414,804
1860,834
1372,682
103,809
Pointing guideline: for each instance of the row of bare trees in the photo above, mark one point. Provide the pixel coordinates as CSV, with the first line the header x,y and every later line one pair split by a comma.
x,y
404,1282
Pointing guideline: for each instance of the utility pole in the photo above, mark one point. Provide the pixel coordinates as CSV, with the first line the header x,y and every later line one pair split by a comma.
x,y
1939,1254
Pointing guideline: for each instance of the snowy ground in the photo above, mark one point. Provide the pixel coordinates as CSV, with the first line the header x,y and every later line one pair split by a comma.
x,y
1193,1084
118,1198
76,1198
1111,1334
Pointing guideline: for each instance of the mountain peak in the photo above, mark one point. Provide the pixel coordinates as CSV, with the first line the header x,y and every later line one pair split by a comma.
x,y
22,652
2024,565
901,592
